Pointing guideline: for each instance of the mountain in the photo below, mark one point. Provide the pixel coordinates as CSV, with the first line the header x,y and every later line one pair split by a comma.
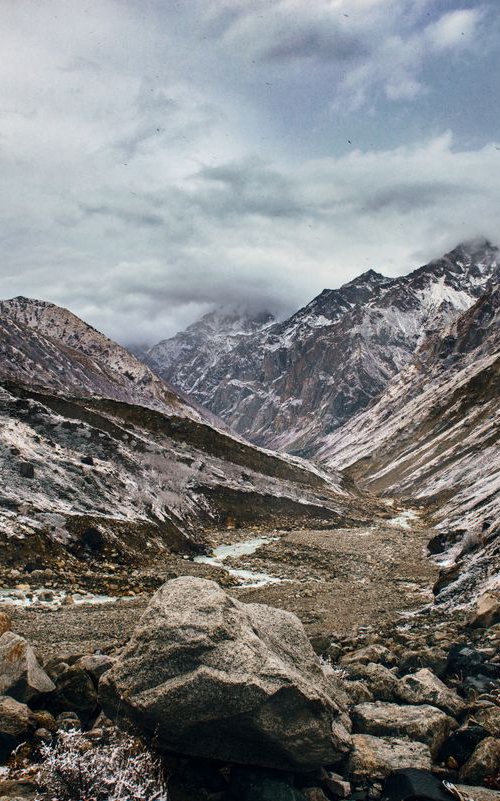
x,y
290,383
434,437
99,453
191,358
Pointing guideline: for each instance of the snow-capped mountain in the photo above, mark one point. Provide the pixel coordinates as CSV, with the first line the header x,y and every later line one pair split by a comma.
x,y
89,437
290,383
192,356
434,437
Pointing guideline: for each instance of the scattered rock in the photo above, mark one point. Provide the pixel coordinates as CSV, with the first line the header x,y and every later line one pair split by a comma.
x,y
206,675
15,723
371,653
96,665
489,719
484,762
423,723
411,784
423,687
436,659
487,611
20,673
377,757
461,743
75,692
381,682
335,784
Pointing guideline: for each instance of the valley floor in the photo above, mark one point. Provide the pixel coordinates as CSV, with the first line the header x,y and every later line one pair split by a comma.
x,y
337,581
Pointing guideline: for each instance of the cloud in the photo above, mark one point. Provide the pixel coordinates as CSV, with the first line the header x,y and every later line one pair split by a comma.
x,y
161,158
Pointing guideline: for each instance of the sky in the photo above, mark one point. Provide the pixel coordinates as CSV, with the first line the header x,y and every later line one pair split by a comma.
x,y
162,158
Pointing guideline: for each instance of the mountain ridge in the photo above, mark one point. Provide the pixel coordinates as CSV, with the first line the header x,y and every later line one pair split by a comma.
x,y
291,382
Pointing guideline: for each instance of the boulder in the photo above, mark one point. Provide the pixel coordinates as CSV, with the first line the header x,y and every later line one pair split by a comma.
x,y
96,665
15,724
484,762
461,743
75,692
423,687
423,723
413,784
487,611
381,682
335,784
20,673
377,757
489,719
206,675
478,793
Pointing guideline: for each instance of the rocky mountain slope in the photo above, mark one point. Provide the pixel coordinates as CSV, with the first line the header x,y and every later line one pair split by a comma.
x,y
290,383
100,457
434,436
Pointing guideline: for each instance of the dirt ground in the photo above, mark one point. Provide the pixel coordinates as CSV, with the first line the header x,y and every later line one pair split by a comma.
x,y
336,581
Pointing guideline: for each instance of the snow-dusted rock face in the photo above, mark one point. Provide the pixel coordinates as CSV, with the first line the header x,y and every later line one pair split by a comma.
x,y
88,433
47,346
192,356
290,383
434,435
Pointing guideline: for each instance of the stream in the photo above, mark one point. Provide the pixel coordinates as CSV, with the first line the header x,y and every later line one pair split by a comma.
x,y
248,578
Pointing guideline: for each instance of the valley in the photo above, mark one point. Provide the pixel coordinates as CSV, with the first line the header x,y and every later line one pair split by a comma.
x,y
162,574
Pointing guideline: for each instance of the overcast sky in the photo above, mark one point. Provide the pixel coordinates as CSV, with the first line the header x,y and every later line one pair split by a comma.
x,y
158,157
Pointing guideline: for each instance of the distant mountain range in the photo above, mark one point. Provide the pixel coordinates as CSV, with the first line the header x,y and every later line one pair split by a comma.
x,y
286,385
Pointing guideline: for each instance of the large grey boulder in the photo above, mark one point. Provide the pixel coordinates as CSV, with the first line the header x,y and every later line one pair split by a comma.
x,y
20,673
206,675
423,723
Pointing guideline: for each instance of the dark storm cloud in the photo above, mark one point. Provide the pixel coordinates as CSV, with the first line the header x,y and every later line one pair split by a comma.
x,y
159,159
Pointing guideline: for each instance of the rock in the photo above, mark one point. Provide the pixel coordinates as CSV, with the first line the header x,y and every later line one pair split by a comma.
x,y
423,723
75,692
423,687
464,660
66,721
17,790
335,784
314,794
255,784
461,743
209,676
96,665
5,623
371,653
487,611
377,757
15,724
411,784
44,720
20,673
478,793
381,682
489,719
358,692
484,762
436,659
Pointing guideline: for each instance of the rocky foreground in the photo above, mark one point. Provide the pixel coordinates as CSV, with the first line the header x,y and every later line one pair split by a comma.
x,y
213,698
